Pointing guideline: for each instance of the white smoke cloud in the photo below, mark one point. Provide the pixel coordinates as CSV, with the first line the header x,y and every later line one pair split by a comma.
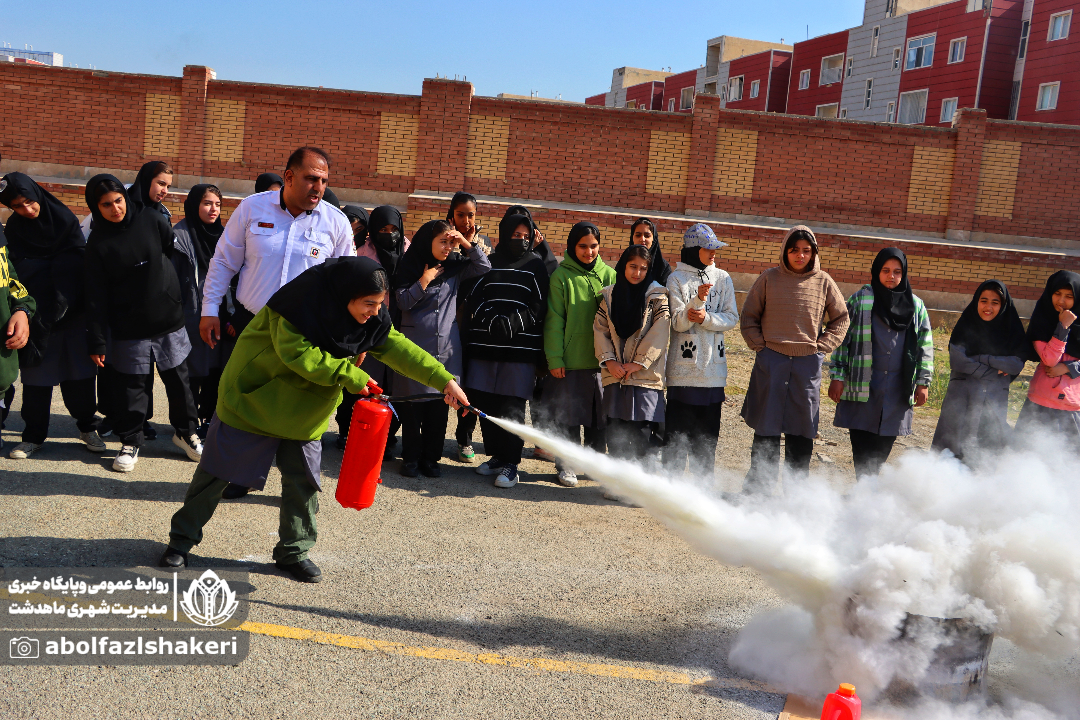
x,y
999,547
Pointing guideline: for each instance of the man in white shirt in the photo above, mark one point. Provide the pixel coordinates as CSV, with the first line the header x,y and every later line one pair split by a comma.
x,y
272,237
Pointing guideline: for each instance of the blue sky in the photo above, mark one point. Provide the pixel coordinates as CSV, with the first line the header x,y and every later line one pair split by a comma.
x,y
552,47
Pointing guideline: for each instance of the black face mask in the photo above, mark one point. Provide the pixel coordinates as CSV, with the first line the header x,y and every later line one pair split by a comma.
x,y
388,240
516,247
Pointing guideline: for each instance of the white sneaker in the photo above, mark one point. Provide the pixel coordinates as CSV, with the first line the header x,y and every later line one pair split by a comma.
x,y
93,441
568,478
491,467
125,461
191,445
508,477
24,450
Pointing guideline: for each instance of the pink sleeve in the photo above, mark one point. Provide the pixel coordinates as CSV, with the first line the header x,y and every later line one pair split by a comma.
x,y
1050,352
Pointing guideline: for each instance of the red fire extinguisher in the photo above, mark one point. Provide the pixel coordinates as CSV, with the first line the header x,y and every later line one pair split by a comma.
x,y
363,457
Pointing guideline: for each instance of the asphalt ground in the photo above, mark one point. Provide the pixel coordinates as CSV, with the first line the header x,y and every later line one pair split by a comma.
x,y
449,598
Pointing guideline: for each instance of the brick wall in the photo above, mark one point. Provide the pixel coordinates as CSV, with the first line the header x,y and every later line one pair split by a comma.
x,y
979,177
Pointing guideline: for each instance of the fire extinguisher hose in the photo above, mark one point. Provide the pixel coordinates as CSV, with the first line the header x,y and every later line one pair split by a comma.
x,y
421,398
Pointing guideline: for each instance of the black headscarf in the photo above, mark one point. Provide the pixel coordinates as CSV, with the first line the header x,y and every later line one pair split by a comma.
x,y
316,301
659,270
419,256
139,192
206,236
1045,319
329,196
577,232
1004,335
264,181
628,299
95,189
691,257
53,231
355,212
511,253
541,248
47,252
388,246
896,306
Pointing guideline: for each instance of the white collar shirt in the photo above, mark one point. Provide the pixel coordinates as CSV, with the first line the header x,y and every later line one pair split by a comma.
x,y
268,247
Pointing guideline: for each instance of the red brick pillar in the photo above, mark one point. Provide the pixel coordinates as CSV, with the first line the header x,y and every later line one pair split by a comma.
x,y
443,141
970,125
699,173
193,119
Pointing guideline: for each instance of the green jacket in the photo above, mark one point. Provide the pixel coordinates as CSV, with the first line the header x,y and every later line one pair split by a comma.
x,y
277,383
572,304
13,296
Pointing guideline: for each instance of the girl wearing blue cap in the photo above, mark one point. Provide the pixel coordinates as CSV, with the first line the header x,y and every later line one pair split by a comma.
x,y
702,301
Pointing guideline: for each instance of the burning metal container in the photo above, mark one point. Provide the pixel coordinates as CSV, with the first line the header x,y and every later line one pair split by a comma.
x,y
960,665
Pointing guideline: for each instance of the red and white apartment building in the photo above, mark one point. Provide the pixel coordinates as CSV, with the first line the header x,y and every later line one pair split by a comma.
x,y
911,62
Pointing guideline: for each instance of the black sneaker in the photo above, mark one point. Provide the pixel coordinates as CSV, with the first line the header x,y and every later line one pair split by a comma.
x,y
429,469
341,442
149,432
303,571
173,558
105,428
410,469
203,430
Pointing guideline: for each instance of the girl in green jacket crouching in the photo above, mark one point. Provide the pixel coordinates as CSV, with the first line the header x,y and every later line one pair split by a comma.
x,y
278,391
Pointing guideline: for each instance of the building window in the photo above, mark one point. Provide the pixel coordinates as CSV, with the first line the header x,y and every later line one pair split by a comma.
x,y
671,105
1048,94
735,85
869,94
948,109
631,104
723,92
1014,100
874,41
1025,28
912,107
804,79
843,113
850,65
685,98
920,52
827,111
957,48
755,87
832,69
974,5
1059,26
896,58
890,8
890,112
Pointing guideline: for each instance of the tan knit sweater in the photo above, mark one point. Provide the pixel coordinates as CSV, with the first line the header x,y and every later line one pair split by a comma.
x,y
785,311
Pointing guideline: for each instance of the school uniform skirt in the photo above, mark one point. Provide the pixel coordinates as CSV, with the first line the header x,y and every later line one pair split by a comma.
x,y
67,357
784,397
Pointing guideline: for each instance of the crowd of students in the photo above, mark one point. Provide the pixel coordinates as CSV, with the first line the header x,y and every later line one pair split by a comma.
x,y
260,328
